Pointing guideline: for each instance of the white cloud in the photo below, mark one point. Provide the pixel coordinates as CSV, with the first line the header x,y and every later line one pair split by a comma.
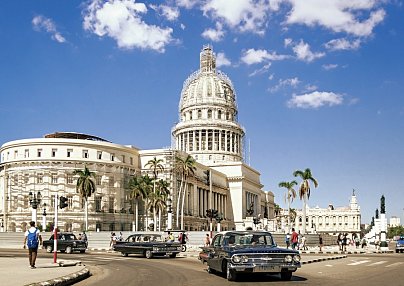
x,y
303,52
315,99
338,15
343,44
310,87
182,26
221,60
287,42
41,23
244,15
292,82
330,66
168,12
188,4
214,35
262,70
253,56
121,20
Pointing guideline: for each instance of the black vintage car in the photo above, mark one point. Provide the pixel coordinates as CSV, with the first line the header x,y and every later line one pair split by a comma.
x,y
67,242
234,252
147,245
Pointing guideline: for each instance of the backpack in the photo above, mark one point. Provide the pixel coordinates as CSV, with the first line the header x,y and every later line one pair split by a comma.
x,y
32,239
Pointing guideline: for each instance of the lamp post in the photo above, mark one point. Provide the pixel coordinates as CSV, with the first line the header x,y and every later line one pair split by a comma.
x,y
44,218
2,225
169,214
34,201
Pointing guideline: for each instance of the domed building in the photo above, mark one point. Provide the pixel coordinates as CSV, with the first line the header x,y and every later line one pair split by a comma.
x,y
208,130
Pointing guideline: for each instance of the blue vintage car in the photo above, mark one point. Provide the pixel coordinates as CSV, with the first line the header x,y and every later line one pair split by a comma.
x,y
235,252
400,244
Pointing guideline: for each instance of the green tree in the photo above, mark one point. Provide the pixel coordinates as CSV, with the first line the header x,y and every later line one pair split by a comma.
x,y
156,166
304,190
290,194
186,168
85,186
140,189
157,204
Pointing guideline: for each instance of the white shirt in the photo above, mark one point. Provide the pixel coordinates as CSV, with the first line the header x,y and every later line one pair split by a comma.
x,y
31,230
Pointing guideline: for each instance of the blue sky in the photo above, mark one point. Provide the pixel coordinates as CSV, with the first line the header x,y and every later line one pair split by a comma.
x,y
319,83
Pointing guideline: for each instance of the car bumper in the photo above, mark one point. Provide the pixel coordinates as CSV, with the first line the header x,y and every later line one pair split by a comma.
x,y
250,268
400,247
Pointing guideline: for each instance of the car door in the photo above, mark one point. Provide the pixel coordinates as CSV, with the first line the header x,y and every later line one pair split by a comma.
x,y
216,252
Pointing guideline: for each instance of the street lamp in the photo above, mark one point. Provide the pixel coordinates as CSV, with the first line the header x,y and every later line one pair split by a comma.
x,y
34,201
44,218
170,213
2,225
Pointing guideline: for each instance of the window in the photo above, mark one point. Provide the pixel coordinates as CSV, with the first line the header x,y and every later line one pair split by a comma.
x,y
69,153
111,204
52,202
209,114
15,154
98,203
54,178
15,179
26,153
111,181
219,114
112,156
39,152
69,201
98,179
85,154
69,179
39,178
123,159
54,152
131,160
26,178
199,114
99,155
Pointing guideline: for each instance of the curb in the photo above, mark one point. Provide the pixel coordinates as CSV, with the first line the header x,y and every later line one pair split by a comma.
x,y
323,259
65,280
347,252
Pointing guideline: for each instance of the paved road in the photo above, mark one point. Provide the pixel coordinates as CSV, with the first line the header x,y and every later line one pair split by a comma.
x,y
355,270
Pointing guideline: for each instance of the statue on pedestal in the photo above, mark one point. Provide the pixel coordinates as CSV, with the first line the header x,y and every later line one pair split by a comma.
x,y
382,205
377,214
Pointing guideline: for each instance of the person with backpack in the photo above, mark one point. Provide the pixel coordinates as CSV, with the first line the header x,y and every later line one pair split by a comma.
x,y
32,240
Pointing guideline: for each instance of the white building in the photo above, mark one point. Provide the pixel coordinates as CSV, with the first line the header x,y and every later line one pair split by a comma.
x,y
207,130
331,220
394,221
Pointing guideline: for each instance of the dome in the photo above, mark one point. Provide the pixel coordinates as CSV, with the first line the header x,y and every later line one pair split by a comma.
x,y
208,85
208,127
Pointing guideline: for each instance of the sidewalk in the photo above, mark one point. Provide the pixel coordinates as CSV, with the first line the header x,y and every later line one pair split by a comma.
x,y
15,271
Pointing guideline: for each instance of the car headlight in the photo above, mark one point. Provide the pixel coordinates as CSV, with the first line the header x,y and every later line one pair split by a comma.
x,y
296,258
236,259
288,258
155,248
74,243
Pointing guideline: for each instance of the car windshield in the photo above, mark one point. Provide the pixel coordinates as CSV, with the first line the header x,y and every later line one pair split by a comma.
x,y
68,237
232,239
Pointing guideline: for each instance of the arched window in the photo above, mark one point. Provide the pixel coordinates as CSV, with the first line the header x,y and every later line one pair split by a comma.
x,y
209,114
219,114
199,114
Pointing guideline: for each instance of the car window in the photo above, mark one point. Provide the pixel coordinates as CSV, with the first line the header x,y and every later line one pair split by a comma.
x,y
217,240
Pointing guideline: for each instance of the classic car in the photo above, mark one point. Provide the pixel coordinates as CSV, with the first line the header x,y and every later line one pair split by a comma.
x,y
236,252
66,242
147,245
400,244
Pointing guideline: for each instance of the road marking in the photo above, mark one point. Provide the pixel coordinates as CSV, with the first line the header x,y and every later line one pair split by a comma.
x,y
376,263
359,262
394,264
329,265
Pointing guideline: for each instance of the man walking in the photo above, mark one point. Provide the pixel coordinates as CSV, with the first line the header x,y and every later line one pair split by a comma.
x,y
32,239
294,238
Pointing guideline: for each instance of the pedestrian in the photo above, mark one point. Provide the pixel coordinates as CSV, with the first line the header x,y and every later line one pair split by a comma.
x,y
113,239
364,244
320,241
207,240
32,240
303,243
170,237
120,236
287,240
294,238
84,238
339,241
344,241
357,241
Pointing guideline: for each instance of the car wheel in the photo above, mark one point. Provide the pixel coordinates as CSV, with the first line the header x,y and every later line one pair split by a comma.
x,y
148,254
402,251
62,251
397,251
82,251
174,255
210,270
231,274
286,276
124,254
49,249
183,248
69,250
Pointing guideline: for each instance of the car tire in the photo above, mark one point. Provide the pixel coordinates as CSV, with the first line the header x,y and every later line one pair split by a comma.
x,y
69,249
397,251
82,251
286,276
210,270
124,254
231,274
174,255
49,249
148,254
183,248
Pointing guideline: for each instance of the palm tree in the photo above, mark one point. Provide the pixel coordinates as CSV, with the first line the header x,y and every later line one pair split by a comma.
x,y
156,166
290,194
186,167
140,190
304,190
156,204
85,187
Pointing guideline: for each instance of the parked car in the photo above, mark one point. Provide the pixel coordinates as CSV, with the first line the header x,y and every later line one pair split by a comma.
x,y
236,252
400,244
147,245
66,242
